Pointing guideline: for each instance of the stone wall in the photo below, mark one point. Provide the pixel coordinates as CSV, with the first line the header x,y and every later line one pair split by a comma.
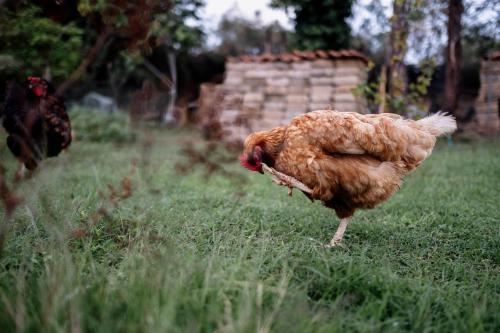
x,y
263,95
488,102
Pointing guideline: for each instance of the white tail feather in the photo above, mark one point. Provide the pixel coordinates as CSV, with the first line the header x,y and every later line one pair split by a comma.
x,y
438,124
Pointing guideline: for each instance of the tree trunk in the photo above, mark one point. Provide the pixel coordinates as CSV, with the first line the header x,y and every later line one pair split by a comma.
x,y
381,89
397,49
168,116
47,73
87,61
453,55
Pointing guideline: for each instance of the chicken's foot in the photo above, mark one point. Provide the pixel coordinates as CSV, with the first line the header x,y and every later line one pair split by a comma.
x,y
339,234
285,180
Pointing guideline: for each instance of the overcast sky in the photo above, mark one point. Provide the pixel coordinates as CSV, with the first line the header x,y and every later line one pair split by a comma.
x,y
214,9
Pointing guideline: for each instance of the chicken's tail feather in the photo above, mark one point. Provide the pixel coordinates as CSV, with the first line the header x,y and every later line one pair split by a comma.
x,y
15,96
438,124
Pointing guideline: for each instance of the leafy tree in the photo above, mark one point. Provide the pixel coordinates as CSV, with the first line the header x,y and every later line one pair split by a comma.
x,y
390,47
277,38
479,38
239,35
174,36
426,41
105,40
171,27
125,22
412,103
37,44
319,24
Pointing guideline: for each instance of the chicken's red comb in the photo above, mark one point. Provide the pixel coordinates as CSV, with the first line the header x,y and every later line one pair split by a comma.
x,y
33,78
244,163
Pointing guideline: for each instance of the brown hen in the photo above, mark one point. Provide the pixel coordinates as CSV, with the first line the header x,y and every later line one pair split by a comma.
x,y
349,160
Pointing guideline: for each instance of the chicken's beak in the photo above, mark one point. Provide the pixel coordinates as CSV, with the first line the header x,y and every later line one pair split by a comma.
x,y
258,167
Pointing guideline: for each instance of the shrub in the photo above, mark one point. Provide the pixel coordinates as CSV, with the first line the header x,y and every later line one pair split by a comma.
x,y
98,126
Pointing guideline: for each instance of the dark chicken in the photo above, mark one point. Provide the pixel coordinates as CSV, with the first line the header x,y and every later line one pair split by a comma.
x,y
36,121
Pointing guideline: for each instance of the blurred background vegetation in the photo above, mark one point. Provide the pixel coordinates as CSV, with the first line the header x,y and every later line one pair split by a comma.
x,y
113,47
95,126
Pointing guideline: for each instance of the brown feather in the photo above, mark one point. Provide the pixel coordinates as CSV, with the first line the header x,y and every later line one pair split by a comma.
x,y
350,160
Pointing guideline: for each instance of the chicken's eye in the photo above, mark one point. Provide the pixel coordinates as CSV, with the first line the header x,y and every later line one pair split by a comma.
x,y
251,159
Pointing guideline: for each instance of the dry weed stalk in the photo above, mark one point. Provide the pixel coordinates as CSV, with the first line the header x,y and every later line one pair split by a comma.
x,y
10,201
111,200
217,149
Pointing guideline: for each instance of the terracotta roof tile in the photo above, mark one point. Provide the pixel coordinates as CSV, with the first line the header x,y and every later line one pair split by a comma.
x,y
322,54
495,55
301,56
334,54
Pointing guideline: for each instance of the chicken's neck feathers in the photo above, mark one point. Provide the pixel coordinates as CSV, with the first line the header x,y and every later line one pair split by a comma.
x,y
274,140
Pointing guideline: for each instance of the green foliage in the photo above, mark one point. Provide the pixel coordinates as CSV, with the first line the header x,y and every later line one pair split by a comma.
x,y
412,103
171,26
130,20
9,64
427,29
320,24
85,7
186,254
112,35
98,126
35,43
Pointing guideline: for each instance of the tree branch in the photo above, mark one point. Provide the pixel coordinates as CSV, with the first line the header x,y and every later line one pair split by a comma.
x,y
285,180
87,61
156,72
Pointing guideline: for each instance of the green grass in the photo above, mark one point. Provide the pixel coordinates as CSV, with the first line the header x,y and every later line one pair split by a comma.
x,y
187,254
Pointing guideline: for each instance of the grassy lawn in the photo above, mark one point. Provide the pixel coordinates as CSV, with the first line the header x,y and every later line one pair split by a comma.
x,y
185,253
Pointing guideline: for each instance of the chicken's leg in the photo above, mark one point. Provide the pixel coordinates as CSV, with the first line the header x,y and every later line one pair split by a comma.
x,y
20,174
339,234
